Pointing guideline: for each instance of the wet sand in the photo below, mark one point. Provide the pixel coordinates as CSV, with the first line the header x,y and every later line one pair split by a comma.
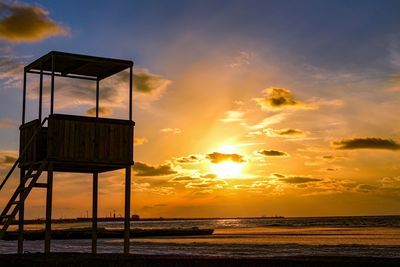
x,y
120,260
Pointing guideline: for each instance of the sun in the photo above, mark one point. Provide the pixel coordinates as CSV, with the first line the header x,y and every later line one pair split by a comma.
x,y
227,169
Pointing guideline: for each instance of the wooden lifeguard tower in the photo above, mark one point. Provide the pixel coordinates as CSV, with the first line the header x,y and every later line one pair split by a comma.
x,y
78,144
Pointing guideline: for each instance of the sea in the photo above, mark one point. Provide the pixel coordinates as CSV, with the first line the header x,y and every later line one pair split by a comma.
x,y
373,236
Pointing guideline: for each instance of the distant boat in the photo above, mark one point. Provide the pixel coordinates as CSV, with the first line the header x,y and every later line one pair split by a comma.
x,y
135,217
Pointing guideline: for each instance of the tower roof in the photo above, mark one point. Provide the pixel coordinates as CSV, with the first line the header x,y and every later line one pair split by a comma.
x,y
82,65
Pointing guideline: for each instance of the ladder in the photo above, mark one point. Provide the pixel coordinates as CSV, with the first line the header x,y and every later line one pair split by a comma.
x,y
29,181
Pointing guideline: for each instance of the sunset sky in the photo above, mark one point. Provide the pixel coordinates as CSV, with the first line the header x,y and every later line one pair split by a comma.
x,y
242,108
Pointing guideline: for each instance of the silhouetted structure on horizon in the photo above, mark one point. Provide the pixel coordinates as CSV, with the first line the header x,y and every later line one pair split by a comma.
x,y
69,143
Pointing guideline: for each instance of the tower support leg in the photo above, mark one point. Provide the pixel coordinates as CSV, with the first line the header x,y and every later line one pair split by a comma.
x,y
49,197
94,212
21,214
127,209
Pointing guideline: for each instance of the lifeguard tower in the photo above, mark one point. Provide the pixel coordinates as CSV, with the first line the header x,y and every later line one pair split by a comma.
x,y
69,143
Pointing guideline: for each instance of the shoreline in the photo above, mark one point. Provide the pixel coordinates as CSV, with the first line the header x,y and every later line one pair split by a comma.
x,y
104,233
121,219
114,260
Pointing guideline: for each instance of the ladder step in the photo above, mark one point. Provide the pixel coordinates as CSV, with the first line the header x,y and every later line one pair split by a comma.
x,y
30,176
4,219
40,185
14,202
21,189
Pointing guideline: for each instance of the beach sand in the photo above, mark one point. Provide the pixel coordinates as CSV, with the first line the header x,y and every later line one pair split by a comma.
x,y
120,260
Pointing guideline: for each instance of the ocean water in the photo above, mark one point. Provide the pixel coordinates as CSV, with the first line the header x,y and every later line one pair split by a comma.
x,y
263,237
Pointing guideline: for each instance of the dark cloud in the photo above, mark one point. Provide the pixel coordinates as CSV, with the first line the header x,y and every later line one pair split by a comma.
x,y
113,91
78,92
299,180
272,153
146,82
207,184
284,132
103,111
366,188
390,186
143,169
280,98
217,157
367,143
9,159
242,186
210,176
147,188
191,159
182,179
27,23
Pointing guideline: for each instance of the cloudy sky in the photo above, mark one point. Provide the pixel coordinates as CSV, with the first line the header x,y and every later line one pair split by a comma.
x,y
242,108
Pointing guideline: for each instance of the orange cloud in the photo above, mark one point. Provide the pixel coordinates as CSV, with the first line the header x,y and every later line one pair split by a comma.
x,y
10,71
233,116
6,123
103,111
7,158
26,23
139,141
171,130
280,98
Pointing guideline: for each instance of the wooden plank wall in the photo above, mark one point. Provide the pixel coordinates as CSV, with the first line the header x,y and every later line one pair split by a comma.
x,y
90,140
26,132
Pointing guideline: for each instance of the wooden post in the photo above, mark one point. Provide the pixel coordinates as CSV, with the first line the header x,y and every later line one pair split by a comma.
x,y
49,196
52,85
24,99
97,98
21,214
22,175
128,176
130,92
40,92
127,209
94,212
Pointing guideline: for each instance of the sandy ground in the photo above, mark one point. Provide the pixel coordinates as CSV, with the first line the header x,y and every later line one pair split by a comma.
x,y
120,260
